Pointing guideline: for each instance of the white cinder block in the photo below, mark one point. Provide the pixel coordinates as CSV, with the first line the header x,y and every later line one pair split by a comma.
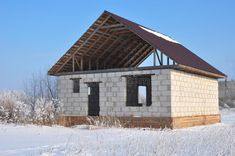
x,y
174,93
191,94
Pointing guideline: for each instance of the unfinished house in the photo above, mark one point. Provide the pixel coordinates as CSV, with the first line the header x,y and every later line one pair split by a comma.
x,y
100,75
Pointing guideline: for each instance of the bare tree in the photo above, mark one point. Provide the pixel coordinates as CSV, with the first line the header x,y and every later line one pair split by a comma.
x,y
41,86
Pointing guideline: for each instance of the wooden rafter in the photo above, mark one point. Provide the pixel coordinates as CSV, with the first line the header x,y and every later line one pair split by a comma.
x,y
142,60
103,38
97,41
77,62
144,54
117,49
102,44
110,46
118,29
125,52
140,50
130,53
106,34
112,26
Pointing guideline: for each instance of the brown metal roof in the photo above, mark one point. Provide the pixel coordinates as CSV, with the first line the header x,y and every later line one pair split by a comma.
x,y
175,51
115,42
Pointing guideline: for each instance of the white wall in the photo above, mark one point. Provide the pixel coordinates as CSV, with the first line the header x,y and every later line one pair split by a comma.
x,y
113,94
193,94
174,93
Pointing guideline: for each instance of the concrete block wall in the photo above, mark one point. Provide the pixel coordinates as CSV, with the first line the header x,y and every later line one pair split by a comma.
x,y
73,103
193,94
113,94
174,94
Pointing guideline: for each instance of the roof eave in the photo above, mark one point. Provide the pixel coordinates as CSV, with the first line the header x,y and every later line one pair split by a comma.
x,y
200,72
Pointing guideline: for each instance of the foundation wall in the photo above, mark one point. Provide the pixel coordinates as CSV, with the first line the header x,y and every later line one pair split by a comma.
x,y
153,122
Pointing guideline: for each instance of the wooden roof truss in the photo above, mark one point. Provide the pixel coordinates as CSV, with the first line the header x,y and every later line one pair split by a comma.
x,y
108,44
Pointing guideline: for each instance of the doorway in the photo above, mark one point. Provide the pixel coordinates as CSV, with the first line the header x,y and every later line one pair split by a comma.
x,y
93,99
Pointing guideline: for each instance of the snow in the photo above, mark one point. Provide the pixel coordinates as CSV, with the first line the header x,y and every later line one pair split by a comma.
x,y
159,34
217,139
228,115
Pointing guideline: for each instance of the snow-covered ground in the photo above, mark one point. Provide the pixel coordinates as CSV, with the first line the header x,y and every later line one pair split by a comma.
x,y
217,139
228,116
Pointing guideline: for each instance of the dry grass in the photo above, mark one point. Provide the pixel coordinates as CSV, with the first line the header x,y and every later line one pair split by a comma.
x,y
107,121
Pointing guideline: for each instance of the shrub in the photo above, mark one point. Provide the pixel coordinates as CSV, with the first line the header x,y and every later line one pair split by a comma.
x,y
46,111
15,107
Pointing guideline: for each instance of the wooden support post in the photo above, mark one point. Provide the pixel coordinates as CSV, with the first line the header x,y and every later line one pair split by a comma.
x,y
73,64
89,63
161,58
77,62
97,64
81,62
168,61
154,59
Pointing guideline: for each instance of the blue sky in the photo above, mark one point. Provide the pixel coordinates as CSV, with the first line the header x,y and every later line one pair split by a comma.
x,y
35,34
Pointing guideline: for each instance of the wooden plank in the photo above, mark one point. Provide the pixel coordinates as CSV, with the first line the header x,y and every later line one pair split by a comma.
x,y
124,53
89,63
146,52
118,29
73,63
97,40
107,34
140,50
110,46
77,62
136,55
112,26
122,32
107,39
118,70
97,64
107,59
81,62
130,53
143,59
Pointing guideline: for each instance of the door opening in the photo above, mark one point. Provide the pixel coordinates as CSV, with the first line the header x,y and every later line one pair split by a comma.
x,y
93,99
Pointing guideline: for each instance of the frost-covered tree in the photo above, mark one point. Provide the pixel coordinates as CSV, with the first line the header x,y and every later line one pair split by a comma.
x,y
40,86
37,104
13,107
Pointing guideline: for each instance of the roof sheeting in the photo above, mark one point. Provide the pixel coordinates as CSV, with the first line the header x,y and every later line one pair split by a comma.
x,y
174,50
